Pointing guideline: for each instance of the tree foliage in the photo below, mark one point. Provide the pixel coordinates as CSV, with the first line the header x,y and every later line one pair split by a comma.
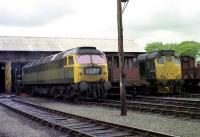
x,y
155,46
186,48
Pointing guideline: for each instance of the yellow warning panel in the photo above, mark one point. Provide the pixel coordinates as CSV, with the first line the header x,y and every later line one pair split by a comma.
x,y
8,78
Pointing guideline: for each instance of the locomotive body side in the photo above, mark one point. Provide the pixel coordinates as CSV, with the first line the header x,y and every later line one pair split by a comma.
x,y
188,67
77,72
197,77
197,72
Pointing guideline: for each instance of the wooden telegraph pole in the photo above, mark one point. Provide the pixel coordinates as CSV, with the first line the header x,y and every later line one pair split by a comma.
x,y
121,58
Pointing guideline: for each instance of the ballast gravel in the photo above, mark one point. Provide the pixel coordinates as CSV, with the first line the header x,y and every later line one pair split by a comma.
x,y
15,125
159,123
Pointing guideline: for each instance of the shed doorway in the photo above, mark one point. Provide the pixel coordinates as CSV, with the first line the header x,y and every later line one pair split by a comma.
x,y
2,77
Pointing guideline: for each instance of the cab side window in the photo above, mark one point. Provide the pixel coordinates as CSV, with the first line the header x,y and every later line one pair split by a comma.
x,y
176,60
160,60
71,60
65,61
168,58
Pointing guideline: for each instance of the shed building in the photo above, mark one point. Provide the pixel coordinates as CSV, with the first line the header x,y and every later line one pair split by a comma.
x,y
15,51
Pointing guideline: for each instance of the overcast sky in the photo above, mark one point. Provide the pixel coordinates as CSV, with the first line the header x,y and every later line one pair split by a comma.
x,y
144,20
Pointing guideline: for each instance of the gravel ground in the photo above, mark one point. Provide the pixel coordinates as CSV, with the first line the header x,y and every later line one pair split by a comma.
x,y
15,125
169,125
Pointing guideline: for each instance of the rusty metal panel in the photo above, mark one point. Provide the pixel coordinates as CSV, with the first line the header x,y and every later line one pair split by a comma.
x,y
197,72
116,74
131,74
191,64
187,62
132,77
188,67
188,74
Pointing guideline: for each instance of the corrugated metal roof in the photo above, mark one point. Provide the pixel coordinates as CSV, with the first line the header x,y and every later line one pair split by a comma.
x,y
12,43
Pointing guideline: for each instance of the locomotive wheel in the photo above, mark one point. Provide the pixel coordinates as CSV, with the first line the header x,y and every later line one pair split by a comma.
x,y
165,89
57,92
178,88
51,91
32,92
98,95
66,92
94,94
103,94
28,90
83,95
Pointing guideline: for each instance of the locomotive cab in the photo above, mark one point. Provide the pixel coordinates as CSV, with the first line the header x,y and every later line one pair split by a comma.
x,y
88,70
168,68
162,69
91,72
90,67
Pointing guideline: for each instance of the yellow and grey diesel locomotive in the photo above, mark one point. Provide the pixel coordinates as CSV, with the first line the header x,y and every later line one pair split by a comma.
x,y
162,70
76,73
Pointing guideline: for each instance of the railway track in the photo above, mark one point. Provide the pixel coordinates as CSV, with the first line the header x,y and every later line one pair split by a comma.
x,y
75,125
189,112
170,101
188,95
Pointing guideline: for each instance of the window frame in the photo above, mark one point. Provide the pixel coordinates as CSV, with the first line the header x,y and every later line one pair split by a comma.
x,y
163,62
176,60
72,59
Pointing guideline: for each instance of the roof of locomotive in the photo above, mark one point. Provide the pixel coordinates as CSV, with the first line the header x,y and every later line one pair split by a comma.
x,y
156,54
61,55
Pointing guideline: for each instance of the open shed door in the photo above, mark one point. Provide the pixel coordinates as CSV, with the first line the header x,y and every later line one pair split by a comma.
x,y
2,77
8,78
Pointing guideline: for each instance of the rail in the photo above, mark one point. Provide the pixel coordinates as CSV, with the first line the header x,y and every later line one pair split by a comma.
x,y
75,125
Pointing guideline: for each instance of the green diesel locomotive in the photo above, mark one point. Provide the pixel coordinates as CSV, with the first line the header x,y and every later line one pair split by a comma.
x,y
76,73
